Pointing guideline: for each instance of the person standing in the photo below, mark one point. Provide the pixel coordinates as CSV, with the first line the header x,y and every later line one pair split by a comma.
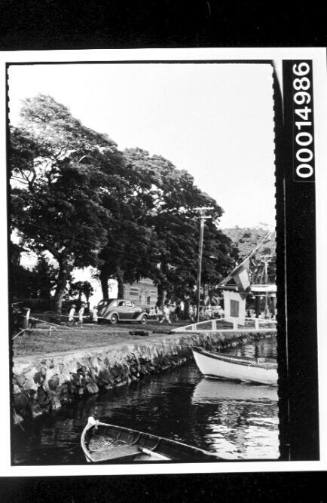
x,y
191,313
81,313
166,314
95,314
71,314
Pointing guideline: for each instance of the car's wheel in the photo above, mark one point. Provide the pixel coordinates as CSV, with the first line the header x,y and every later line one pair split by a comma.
x,y
113,319
144,319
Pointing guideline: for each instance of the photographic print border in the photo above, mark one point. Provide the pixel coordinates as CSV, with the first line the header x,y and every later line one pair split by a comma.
x,y
298,384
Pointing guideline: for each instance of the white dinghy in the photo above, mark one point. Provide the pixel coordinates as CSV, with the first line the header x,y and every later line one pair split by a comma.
x,y
221,366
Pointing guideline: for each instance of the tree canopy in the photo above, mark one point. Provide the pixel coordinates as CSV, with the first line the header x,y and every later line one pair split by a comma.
x,y
60,173
163,240
76,196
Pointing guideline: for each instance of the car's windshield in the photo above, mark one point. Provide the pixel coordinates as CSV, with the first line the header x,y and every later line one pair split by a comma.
x,y
104,303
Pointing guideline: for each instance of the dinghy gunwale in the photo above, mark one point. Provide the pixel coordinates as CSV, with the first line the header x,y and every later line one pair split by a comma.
x,y
237,360
192,450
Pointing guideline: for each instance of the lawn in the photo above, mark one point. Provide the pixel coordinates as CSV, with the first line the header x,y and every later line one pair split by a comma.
x,y
79,337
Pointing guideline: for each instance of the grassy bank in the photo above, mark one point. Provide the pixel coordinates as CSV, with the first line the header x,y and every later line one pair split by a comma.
x,y
57,370
85,336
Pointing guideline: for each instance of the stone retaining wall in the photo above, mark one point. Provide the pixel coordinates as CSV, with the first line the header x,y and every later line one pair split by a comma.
x,y
43,383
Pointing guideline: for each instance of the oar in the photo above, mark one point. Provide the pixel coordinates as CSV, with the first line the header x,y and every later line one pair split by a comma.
x,y
148,452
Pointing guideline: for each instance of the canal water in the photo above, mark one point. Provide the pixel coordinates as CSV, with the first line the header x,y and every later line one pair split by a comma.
x,y
236,420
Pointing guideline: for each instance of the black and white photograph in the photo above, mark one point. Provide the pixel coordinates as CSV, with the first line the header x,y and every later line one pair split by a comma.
x,y
161,249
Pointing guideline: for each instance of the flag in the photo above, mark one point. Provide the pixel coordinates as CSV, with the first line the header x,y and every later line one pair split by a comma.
x,y
241,277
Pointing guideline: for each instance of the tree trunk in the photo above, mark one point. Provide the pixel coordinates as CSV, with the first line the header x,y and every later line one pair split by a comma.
x,y
104,276
87,296
59,297
162,293
65,268
120,279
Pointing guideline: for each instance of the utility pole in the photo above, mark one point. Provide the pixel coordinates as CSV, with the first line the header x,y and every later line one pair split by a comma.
x,y
202,217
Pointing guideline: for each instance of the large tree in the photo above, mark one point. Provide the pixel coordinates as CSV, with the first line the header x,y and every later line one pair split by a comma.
x,y
61,172
75,196
165,201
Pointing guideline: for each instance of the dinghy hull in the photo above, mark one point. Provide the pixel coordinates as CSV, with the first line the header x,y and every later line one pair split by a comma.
x,y
216,365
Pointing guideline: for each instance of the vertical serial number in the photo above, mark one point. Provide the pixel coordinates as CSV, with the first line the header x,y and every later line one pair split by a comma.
x,y
303,140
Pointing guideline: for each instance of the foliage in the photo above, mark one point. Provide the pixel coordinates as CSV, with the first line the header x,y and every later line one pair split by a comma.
x,y
172,199
132,215
58,168
81,288
33,284
246,240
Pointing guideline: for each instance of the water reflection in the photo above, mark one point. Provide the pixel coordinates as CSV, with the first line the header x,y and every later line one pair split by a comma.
x,y
263,348
242,420
211,391
238,421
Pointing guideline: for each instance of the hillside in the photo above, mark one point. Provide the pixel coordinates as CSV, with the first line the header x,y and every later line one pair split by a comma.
x,y
246,238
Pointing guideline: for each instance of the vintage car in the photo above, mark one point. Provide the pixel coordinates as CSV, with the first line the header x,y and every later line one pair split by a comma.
x,y
121,310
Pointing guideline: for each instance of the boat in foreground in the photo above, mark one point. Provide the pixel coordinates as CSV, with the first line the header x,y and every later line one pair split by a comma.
x,y
217,365
108,443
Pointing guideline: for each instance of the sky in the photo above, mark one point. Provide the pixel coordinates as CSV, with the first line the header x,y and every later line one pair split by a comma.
x,y
214,120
